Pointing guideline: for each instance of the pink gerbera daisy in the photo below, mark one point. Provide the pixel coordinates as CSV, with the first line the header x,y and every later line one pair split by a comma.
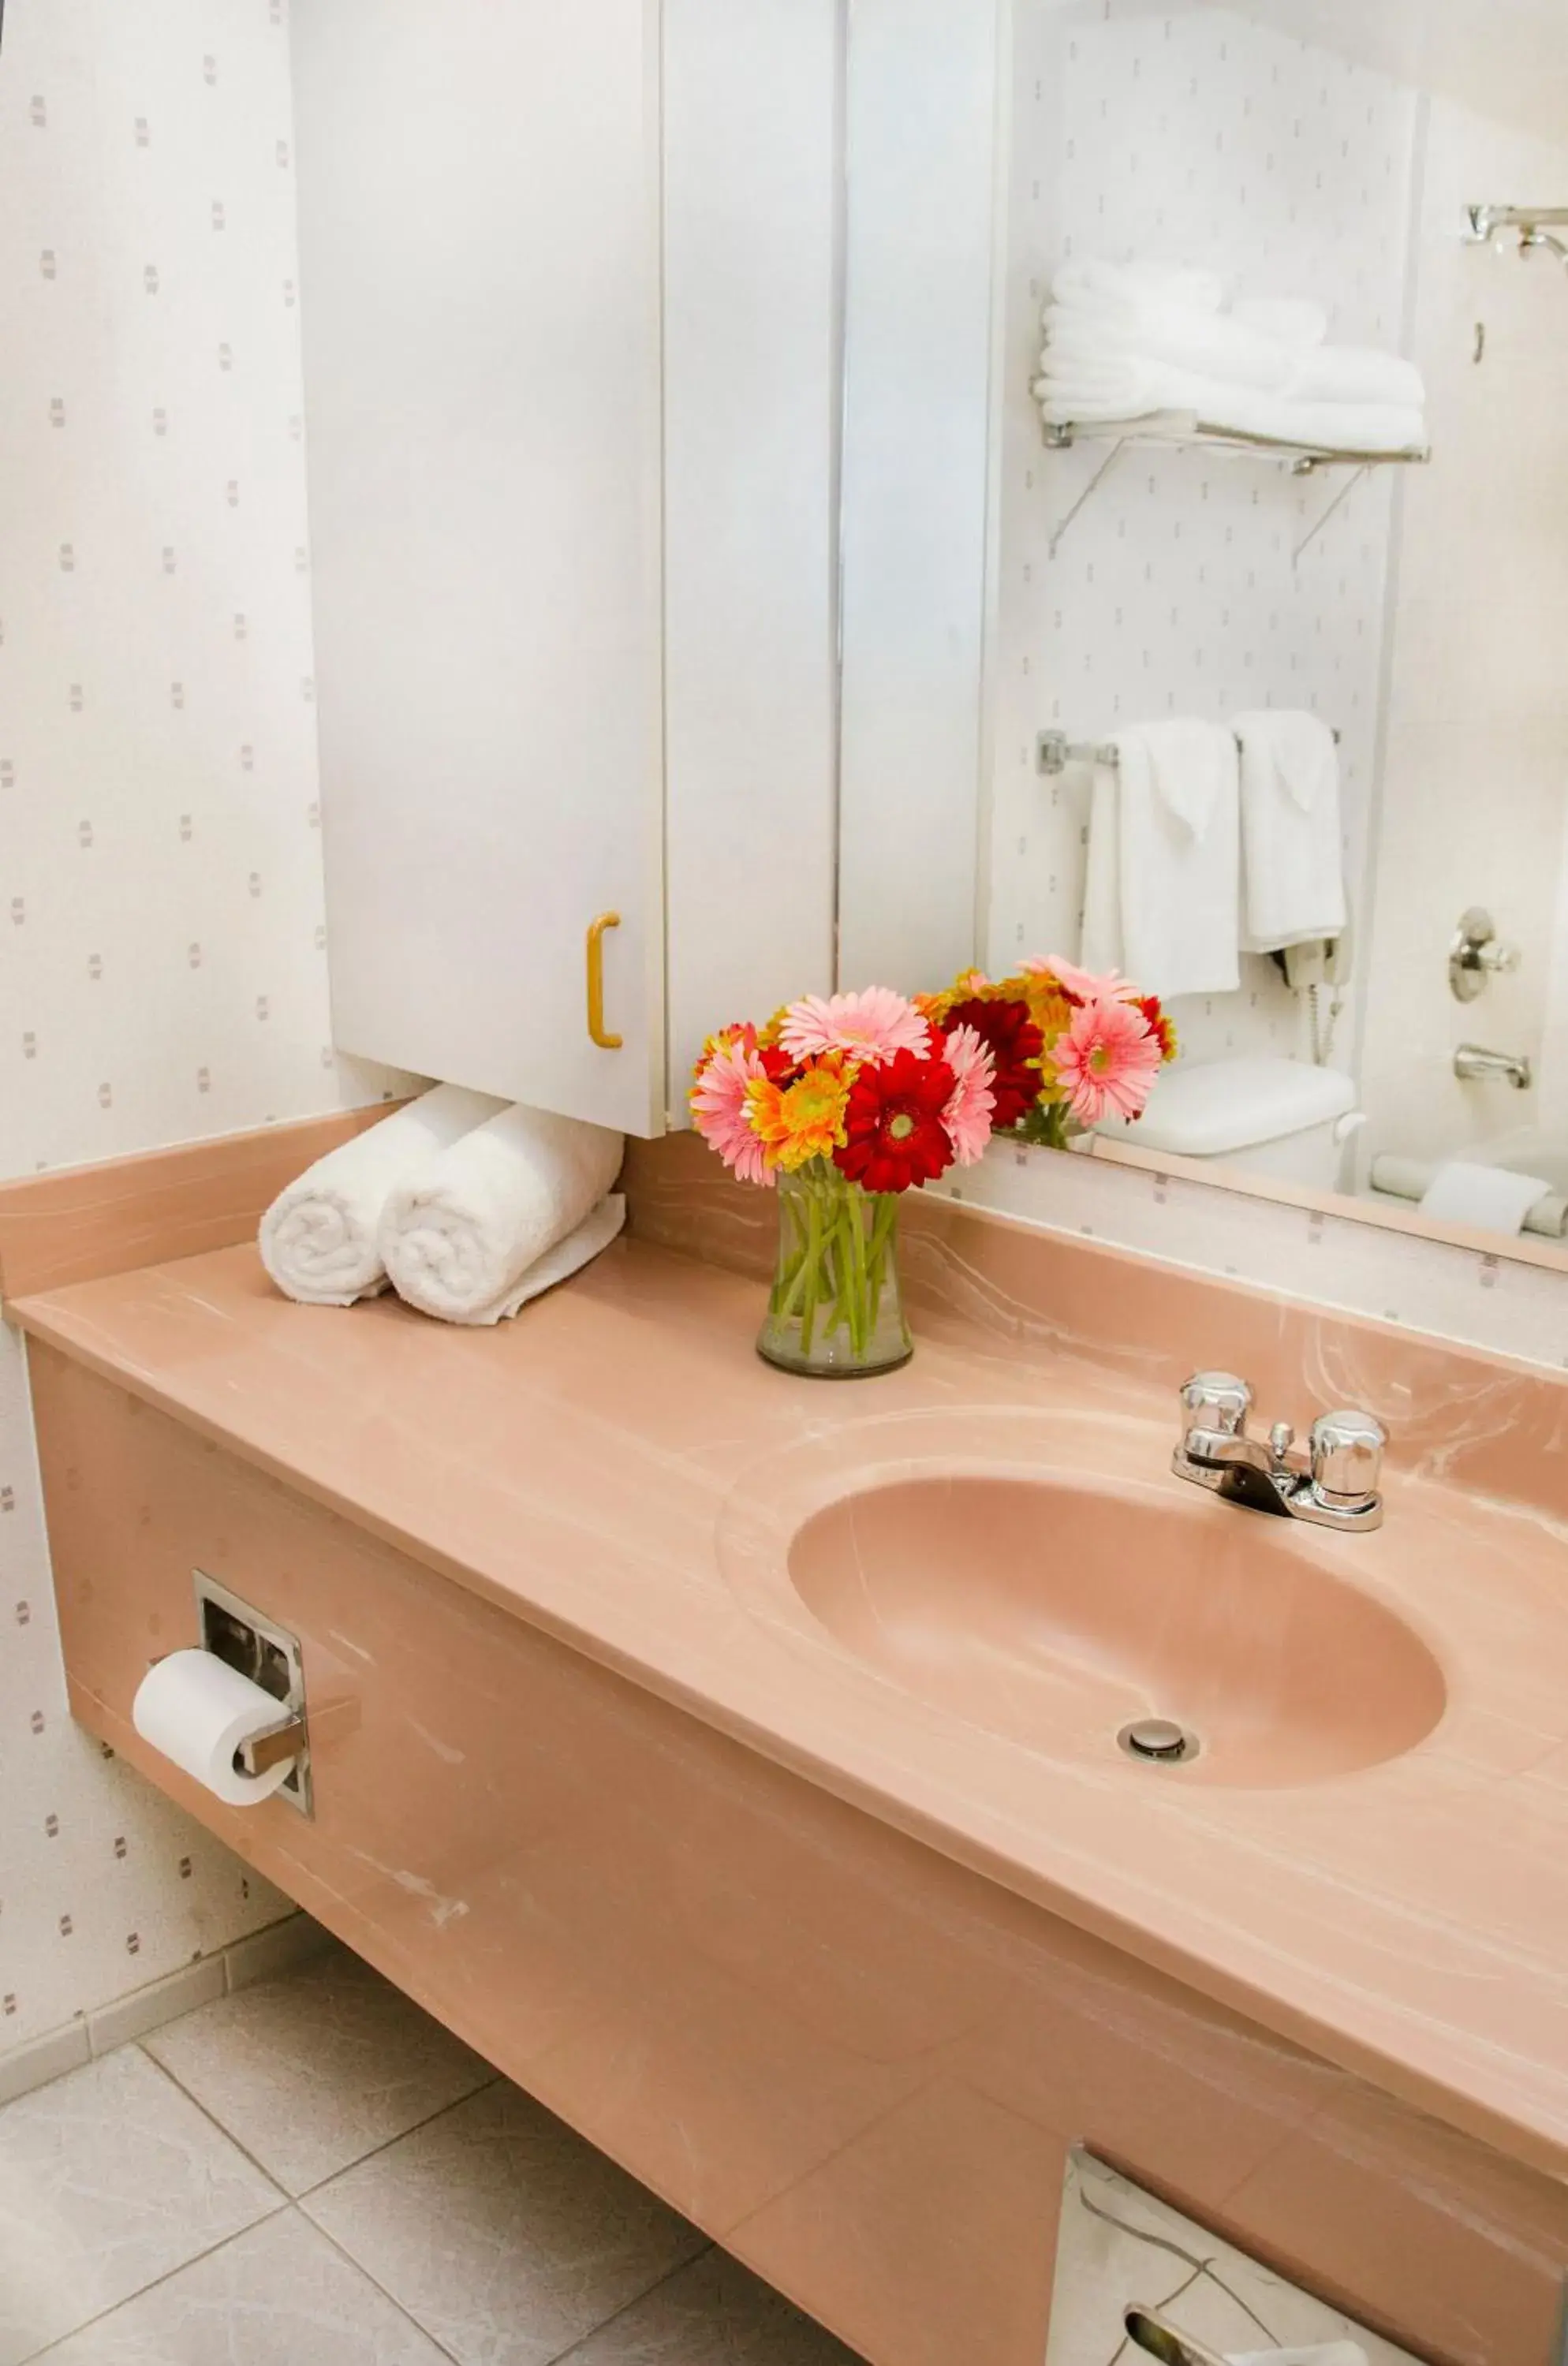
x,y
872,1025
969,1113
721,1113
1081,984
1108,1059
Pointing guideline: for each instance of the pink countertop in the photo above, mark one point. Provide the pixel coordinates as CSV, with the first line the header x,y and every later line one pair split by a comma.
x,y
617,1468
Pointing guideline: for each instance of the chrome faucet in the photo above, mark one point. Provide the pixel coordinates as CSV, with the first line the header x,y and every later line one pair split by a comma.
x,y
1333,1482
1474,1064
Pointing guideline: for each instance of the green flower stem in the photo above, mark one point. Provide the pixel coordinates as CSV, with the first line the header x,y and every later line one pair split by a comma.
x,y
860,1326
882,1226
812,1269
835,1267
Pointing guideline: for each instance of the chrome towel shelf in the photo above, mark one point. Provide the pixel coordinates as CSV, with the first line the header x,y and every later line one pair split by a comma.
x,y
1181,430
1177,431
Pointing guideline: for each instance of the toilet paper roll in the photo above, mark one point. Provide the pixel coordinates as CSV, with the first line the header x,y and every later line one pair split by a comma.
x,y
198,1711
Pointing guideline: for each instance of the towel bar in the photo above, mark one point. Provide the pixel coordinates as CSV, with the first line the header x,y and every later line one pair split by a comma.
x,y
1054,751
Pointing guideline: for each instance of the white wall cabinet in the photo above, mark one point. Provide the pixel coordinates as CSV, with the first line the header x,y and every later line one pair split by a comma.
x,y
570,280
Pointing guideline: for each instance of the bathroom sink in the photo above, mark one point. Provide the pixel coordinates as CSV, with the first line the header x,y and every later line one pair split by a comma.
x,y
1060,1614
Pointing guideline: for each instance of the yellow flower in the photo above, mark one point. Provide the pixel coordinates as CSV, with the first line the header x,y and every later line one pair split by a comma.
x,y
800,1121
966,986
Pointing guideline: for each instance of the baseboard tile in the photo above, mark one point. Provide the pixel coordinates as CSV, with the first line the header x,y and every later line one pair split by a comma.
x,y
264,1956
281,1947
148,2009
42,2059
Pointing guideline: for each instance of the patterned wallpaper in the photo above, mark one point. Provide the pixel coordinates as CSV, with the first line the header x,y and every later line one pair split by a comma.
x,y
1177,587
161,939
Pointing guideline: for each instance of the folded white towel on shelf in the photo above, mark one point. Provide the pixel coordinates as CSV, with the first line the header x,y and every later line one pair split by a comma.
x,y
1162,888
1356,373
1293,320
1208,343
1089,279
466,1237
1493,1199
318,1239
1128,386
1292,862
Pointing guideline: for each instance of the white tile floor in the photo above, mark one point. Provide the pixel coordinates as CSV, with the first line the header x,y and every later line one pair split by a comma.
x,y
313,2173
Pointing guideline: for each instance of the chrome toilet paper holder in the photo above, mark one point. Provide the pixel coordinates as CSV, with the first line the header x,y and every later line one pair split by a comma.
x,y
234,1631
264,1751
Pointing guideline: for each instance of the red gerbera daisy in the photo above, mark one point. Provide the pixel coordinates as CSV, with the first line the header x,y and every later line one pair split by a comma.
x,y
894,1135
1015,1043
1160,1026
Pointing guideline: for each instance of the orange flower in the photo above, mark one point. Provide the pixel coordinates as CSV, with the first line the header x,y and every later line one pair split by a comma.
x,y
803,1121
966,986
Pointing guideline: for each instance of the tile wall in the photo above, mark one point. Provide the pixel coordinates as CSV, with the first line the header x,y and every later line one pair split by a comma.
x,y
163,967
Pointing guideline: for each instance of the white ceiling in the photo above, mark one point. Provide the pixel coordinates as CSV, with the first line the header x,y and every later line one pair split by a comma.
x,y
1505,58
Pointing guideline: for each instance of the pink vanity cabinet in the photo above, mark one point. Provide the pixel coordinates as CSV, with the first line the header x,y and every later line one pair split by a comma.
x,y
854,2062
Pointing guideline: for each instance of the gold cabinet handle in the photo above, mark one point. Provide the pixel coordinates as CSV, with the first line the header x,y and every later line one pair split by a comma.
x,y
596,1029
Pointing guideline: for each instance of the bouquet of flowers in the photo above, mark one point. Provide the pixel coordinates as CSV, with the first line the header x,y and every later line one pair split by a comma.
x,y
845,1102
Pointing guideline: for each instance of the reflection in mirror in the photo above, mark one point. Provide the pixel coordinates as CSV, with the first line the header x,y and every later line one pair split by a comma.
x,y
1231,524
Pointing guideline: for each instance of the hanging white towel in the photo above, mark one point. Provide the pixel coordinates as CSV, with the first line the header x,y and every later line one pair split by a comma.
x,y
1292,862
1162,887
467,1236
318,1238
1102,948
1493,1199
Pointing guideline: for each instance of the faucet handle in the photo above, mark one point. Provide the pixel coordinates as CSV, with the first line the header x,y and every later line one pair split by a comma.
x,y
1217,1402
1347,1459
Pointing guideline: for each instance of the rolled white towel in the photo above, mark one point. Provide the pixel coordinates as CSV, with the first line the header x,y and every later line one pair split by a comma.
x,y
1293,319
318,1238
1356,373
1493,1198
466,1236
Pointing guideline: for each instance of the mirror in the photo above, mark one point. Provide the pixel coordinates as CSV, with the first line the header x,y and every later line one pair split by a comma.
x,y
1210,622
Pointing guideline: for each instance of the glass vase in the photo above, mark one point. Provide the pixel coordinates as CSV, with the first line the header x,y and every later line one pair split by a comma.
x,y
835,1310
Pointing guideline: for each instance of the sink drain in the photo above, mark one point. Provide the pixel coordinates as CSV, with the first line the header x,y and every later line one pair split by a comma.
x,y
1158,1741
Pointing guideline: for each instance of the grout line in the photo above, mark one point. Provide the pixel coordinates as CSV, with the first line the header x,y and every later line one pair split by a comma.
x,y
626,2306
39,2356
386,2143
286,2201
86,2023
227,2133
375,2281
